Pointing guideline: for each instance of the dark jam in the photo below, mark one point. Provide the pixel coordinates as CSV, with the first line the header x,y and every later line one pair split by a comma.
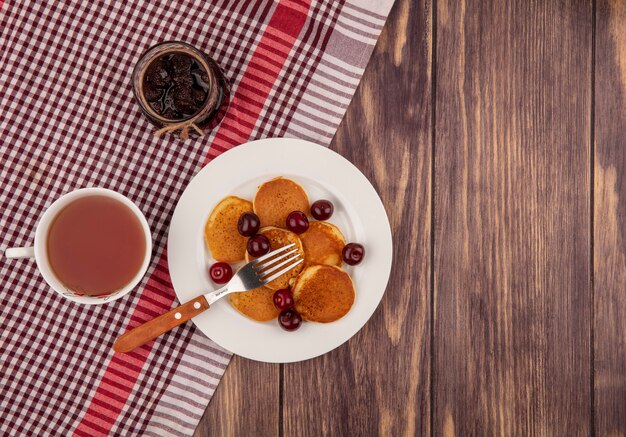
x,y
176,86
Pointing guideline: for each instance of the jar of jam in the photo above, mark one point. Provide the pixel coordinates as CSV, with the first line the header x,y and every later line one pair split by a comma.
x,y
180,89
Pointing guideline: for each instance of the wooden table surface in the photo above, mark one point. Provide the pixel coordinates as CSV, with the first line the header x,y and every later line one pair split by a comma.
x,y
495,132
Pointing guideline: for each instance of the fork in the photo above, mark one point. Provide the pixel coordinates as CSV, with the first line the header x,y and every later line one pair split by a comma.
x,y
253,275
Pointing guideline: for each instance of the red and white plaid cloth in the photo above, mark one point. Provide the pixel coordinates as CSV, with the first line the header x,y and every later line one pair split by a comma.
x,y
68,120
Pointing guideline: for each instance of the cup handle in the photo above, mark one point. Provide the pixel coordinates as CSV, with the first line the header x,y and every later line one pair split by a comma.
x,y
20,252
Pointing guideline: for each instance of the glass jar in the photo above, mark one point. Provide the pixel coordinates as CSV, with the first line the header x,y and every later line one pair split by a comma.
x,y
176,88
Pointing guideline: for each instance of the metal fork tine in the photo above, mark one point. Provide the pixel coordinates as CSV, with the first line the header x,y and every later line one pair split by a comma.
x,y
266,280
270,262
273,253
272,269
252,276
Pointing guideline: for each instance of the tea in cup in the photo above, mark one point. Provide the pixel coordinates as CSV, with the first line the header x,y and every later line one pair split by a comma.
x,y
92,246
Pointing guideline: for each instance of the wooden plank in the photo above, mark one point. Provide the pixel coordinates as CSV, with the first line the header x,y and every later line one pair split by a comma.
x,y
512,218
246,402
610,219
379,380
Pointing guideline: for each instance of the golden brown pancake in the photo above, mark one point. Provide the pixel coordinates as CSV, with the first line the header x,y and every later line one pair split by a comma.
x,y
323,293
220,231
323,243
258,304
279,238
275,199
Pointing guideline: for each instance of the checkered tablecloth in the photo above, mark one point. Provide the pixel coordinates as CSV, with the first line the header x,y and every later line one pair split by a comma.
x,y
68,120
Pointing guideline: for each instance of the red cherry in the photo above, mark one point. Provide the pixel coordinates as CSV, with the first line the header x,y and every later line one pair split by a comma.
x,y
221,273
248,224
258,245
322,209
353,253
283,299
297,222
289,320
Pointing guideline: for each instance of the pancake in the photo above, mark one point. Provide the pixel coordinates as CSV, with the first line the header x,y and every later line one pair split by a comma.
x,y
279,238
257,304
275,199
323,243
220,231
323,294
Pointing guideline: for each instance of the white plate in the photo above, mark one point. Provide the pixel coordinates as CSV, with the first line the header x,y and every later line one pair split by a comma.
x,y
359,214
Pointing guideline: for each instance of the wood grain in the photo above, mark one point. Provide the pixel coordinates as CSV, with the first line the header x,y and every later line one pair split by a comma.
x,y
610,219
378,383
515,307
246,402
512,218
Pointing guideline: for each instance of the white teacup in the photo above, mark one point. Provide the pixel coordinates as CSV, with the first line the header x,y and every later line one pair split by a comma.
x,y
39,250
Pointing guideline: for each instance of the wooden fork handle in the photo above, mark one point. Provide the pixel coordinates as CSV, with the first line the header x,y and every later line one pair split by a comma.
x,y
142,334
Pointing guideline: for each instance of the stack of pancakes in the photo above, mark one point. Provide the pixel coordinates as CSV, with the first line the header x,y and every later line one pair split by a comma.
x,y
322,291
